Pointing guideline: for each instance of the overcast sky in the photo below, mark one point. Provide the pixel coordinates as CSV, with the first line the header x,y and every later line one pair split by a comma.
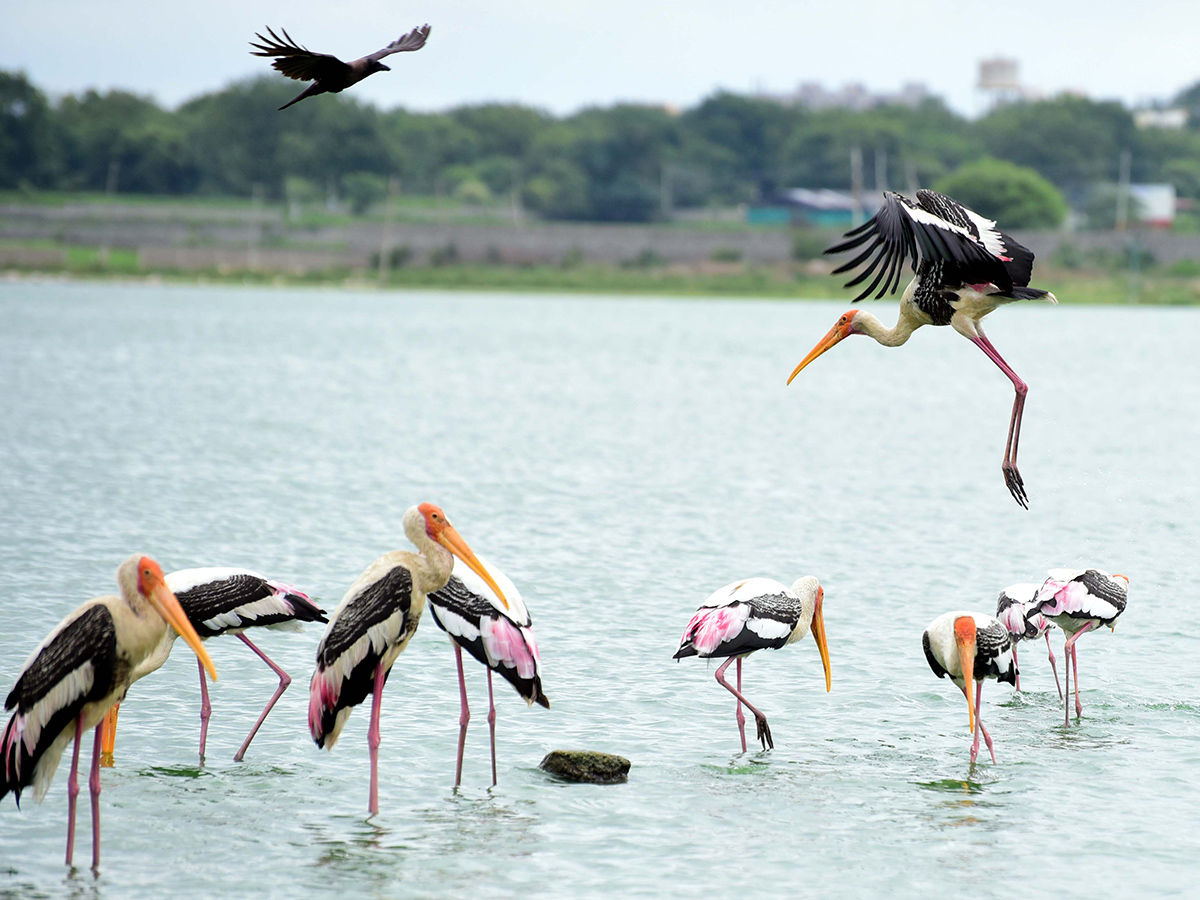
x,y
564,54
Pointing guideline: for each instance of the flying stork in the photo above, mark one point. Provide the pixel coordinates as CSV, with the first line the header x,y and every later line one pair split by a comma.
x,y
1077,601
374,623
1012,609
965,267
497,633
82,668
220,600
751,615
970,647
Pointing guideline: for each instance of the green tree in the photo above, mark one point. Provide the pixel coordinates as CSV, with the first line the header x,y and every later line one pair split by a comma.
x,y
129,140
30,135
1072,141
740,140
1015,196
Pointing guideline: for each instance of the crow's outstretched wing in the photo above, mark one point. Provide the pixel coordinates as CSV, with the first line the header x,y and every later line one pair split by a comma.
x,y
298,62
414,40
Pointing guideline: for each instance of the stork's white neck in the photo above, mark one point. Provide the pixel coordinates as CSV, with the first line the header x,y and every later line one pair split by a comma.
x,y
434,563
866,323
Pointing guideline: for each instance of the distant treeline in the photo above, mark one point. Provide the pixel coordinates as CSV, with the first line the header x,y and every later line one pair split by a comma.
x,y
618,163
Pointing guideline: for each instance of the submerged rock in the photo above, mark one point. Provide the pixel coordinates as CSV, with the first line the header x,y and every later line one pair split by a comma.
x,y
586,766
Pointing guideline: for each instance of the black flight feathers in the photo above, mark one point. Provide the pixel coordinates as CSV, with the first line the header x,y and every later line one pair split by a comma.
x,y
328,73
935,229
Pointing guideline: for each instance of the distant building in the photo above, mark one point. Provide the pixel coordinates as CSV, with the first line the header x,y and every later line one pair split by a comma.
x,y
1000,82
1176,118
813,207
856,97
1154,204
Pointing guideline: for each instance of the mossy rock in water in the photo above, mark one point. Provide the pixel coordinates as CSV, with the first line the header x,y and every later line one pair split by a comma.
x,y
586,766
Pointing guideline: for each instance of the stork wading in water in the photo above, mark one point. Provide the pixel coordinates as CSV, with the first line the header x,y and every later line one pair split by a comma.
x,y
755,614
1078,601
968,648
1012,609
965,267
498,633
81,669
226,601
374,623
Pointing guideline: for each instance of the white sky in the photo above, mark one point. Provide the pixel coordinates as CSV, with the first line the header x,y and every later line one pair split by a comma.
x,y
564,54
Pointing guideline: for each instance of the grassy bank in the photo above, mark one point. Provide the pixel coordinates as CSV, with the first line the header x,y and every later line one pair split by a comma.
x,y
792,281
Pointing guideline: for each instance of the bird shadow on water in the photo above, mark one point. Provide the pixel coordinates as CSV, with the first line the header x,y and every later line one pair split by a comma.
x,y
752,762
174,772
364,847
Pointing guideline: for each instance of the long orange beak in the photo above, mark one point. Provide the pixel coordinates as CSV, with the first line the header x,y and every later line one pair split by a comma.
x,y
836,334
966,658
168,607
818,632
452,541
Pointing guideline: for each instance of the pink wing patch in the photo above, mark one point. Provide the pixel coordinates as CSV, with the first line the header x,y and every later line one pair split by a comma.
x,y
712,626
323,694
1068,597
1013,619
282,590
509,645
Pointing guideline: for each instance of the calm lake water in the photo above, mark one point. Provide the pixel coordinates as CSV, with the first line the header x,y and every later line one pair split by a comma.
x,y
619,459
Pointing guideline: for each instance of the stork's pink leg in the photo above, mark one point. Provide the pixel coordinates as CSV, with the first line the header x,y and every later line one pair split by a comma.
x,y
73,790
1053,666
1072,657
979,722
1016,668
373,740
94,787
205,711
284,680
1012,477
741,717
764,730
492,723
1067,675
463,718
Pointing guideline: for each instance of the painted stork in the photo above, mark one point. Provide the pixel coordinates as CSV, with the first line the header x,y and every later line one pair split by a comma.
x,y
970,647
498,634
965,267
226,601
81,669
1012,609
751,615
374,623
1077,601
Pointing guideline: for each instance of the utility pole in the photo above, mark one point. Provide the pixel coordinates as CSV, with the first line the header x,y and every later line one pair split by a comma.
x,y
385,240
516,193
856,184
1123,189
666,202
910,174
254,229
881,183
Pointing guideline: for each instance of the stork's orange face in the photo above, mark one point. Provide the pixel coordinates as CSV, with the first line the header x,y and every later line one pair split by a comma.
x,y
439,529
842,329
152,585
